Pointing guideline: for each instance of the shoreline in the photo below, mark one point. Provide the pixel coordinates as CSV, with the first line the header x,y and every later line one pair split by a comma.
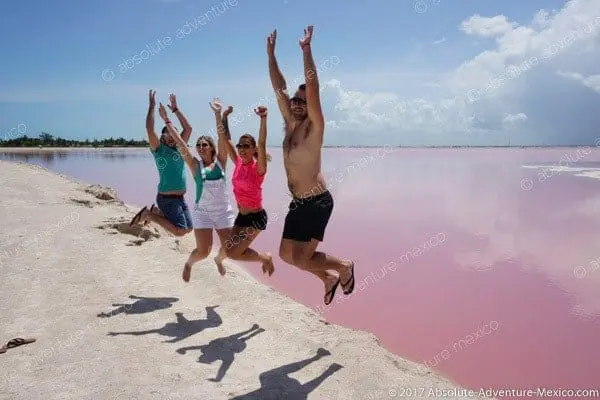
x,y
131,148
76,268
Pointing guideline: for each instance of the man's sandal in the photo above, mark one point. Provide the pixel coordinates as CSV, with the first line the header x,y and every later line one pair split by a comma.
x,y
331,293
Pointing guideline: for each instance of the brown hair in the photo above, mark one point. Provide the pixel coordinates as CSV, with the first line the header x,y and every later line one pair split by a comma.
x,y
253,142
210,141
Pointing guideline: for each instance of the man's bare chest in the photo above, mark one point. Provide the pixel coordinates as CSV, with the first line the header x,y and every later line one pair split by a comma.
x,y
296,136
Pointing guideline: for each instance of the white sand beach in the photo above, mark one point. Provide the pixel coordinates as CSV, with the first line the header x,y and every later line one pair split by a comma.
x,y
73,271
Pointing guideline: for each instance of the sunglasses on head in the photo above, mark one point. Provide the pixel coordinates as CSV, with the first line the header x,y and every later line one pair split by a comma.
x,y
202,144
243,146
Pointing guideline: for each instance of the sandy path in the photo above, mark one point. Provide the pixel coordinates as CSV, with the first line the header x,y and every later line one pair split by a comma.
x,y
64,259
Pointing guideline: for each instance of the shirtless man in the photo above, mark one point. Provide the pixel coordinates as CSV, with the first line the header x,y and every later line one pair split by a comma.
x,y
312,203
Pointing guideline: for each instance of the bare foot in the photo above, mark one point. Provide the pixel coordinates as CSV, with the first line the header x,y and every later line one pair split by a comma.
x,y
157,211
187,271
268,267
220,266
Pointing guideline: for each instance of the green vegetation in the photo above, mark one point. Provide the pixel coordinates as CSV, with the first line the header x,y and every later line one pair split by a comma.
x,y
47,140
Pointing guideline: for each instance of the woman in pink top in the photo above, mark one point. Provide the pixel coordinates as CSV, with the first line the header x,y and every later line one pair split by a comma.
x,y
250,163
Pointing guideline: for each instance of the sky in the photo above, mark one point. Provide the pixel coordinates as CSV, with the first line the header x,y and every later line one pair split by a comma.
x,y
391,72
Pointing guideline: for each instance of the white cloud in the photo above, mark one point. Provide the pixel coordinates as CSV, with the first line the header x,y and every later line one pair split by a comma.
x,y
512,119
592,82
495,89
487,27
440,41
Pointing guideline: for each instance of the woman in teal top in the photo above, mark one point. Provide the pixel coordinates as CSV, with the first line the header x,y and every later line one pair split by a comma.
x,y
213,210
172,212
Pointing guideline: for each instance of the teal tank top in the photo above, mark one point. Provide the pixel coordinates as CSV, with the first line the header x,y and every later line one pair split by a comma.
x,y
171,169
205,174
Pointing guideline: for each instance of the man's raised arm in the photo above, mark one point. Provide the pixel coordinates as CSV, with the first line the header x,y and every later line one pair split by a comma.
x,y
277,79
313,99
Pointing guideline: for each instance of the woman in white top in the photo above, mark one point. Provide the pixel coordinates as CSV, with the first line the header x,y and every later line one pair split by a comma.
x,y
213,209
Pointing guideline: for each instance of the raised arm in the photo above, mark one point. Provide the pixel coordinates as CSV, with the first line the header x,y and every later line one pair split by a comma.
x,y
227,135
277,80
186,132
313,99
185,151
262,140
152,136
216,106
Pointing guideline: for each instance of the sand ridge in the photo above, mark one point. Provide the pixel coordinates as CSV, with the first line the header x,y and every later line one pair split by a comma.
x,y
114,320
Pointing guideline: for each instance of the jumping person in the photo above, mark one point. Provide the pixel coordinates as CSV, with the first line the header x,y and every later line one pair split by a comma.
x,y
213,210
250,168
312,203
172,212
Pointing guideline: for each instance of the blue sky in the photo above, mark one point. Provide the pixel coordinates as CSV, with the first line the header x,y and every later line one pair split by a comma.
x,y
402,72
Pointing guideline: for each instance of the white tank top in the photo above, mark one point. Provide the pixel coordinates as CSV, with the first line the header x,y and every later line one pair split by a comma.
x,y
214,192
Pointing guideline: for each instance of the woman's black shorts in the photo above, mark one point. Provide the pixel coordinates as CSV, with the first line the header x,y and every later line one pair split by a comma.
x,y
257,220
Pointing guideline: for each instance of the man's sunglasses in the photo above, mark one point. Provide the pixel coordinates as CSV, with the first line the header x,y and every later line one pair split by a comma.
x,y
243,146
298,100
201,144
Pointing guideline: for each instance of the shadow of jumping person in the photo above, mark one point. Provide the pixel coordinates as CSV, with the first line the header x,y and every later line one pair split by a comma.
x,y
223,349
142,305
183,328
276,384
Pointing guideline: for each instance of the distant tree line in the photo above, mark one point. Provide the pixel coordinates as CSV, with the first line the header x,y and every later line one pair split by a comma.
x,y
47,140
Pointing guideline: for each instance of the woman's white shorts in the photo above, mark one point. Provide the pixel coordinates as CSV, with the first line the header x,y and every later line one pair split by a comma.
x,y
213,219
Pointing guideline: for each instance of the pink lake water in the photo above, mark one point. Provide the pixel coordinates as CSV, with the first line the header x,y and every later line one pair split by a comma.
x,y
466,260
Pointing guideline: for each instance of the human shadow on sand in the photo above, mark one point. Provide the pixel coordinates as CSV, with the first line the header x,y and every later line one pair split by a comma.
x,y
276,384
223,349
142,305
183,328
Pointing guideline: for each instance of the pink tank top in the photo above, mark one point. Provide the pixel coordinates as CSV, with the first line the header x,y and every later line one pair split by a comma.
x,y
247,184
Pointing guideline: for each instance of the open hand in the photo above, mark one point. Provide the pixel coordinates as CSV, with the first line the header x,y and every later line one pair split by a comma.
x,y
152,101
216,105
173,105
228,111
305,41
271,43
261,111
162,111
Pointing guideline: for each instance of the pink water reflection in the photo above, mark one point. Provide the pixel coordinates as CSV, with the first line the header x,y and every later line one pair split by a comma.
x,y
489,254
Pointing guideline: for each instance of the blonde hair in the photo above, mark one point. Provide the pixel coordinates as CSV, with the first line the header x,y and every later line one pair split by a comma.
x,y
211,142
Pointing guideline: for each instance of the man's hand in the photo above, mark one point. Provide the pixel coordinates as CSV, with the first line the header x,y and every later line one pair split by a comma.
x,y
227,112
173,105
216,105
162,111
271,43
151,100
261,111
305,41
